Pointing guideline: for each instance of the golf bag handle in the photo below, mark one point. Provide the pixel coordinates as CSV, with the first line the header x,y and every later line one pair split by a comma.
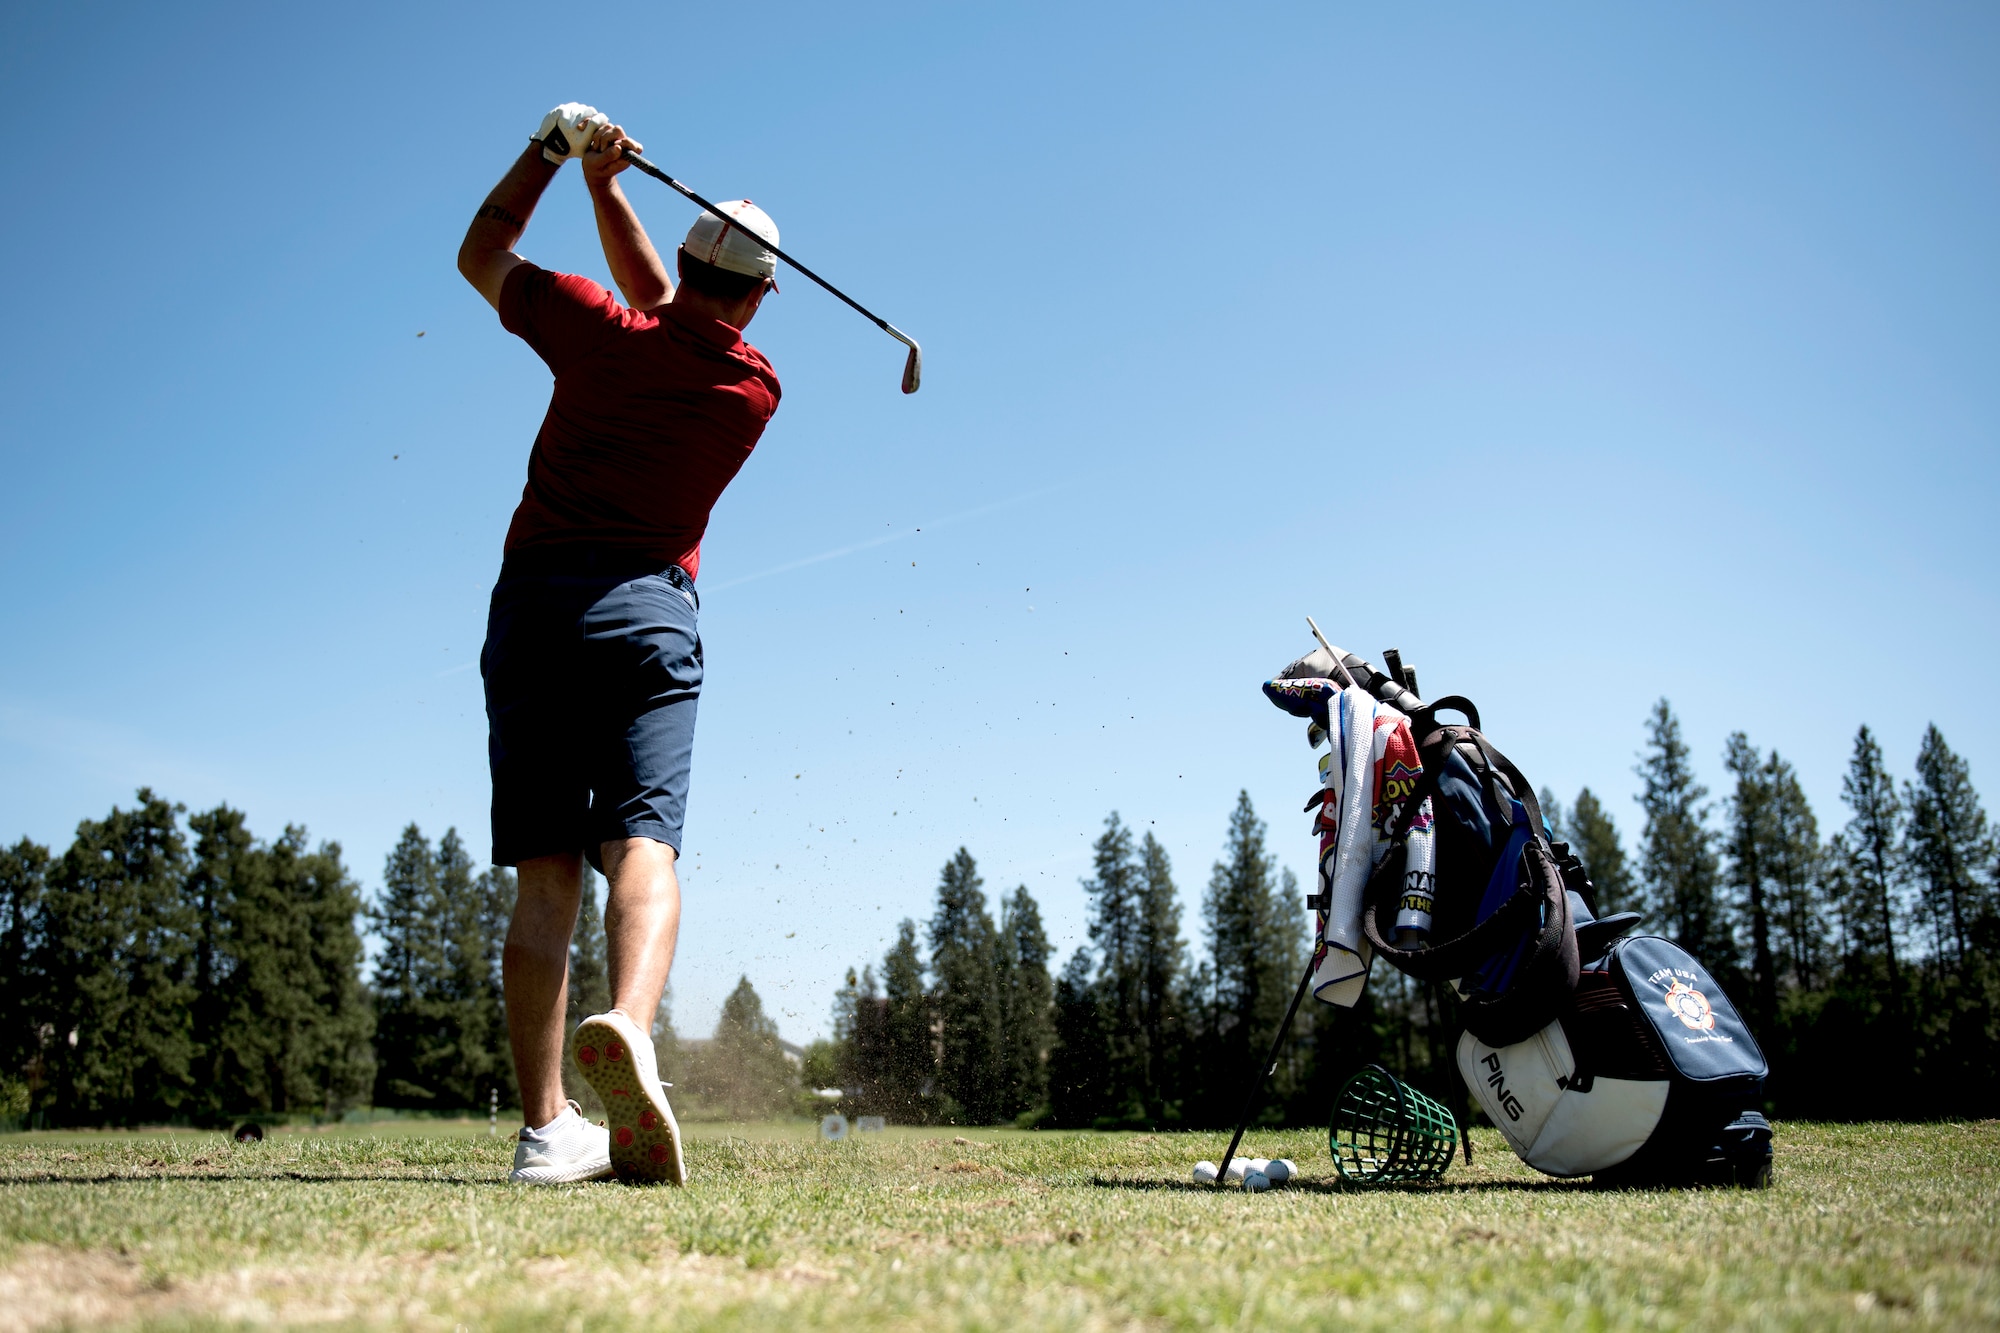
x,y
913,369
1457,703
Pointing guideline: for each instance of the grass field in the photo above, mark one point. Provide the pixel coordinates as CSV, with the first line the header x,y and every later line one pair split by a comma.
x,y
1867,1225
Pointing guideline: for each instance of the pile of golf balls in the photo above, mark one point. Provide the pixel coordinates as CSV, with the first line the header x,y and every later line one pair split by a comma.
x,y
1254,1174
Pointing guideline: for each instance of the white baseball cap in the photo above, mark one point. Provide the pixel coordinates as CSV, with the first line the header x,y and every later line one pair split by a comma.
x,y
737,240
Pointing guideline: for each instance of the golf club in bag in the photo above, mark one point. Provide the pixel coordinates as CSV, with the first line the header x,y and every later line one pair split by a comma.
x,y
913,365
1617,1058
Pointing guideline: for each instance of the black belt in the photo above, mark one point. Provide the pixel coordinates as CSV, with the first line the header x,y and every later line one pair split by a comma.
x,y
588,560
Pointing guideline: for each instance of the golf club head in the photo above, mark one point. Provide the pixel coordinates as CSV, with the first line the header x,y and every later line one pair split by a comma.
x,y
913,369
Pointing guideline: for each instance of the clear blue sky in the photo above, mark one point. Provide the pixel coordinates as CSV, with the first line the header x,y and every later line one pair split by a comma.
x,y
1588,354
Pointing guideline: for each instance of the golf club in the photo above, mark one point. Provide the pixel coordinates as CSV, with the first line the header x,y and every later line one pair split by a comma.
x,y
1270,1068
913,367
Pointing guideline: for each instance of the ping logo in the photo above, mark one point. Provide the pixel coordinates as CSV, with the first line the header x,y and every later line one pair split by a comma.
x,y
1497,1080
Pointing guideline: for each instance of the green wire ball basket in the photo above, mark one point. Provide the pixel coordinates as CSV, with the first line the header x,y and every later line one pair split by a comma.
x,y
1385,1133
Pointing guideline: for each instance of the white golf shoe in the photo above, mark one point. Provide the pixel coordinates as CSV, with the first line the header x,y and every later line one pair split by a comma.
x,y
568,1148
618,1060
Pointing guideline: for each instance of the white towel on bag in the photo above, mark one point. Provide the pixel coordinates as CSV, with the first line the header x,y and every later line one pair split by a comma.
x,y
1362,808
1347,852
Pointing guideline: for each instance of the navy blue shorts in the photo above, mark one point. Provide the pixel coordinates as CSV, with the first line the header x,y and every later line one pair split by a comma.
x,y
592,677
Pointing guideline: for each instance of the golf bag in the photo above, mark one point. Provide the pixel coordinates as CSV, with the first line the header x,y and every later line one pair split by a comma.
x,y
1594,1054
1647,1077
1428,826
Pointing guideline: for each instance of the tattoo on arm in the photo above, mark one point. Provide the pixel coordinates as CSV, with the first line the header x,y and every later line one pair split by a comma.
x,y
498,214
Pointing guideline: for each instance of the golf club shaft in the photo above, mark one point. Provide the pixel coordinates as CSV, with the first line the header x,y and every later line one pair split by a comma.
x,y
881,323
1270,1068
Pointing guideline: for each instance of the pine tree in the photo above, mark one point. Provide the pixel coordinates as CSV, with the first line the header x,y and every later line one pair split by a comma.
x,y
667,1051
847,1025
589,992
24,869
1946,849
335,1060
967,995
1589,830
117,955
441,1023
1162,979
283,1020
222,847
1256,943
1554,815
909,1066
1748,843
1117,924
1946,846
493,893
415,1038
1795,861
1677,851
861,1029
1872,839
589,973
1027,1001
1079,1091
469,1072
743,1072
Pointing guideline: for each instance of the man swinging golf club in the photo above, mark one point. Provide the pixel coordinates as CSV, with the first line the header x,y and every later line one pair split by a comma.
x,y
592,661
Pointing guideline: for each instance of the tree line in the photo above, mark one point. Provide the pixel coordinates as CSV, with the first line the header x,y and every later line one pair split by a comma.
x,y
155,971
1867,962
169,971
172,967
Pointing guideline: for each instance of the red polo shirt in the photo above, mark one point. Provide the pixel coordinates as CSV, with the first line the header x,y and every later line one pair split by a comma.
x,y
651,417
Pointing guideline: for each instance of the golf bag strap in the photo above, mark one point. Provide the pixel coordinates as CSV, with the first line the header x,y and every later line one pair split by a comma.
x,y
1450,958
1427,784
1446,738
1524,791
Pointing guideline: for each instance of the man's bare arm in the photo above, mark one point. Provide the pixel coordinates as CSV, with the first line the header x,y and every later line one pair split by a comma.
x,y
486,256
635,264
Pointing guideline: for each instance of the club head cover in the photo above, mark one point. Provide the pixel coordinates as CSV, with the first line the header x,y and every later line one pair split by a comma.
x,y
1307,697
1319,662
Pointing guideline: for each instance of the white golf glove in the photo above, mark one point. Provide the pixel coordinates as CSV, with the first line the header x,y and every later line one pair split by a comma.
x,y
567,131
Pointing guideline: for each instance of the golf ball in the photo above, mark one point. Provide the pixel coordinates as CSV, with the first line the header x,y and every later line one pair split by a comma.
x,y
1204,1173
1280,1170
1256,1183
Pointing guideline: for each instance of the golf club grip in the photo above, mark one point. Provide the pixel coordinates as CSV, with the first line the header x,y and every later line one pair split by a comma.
x,y
1376,681
658,175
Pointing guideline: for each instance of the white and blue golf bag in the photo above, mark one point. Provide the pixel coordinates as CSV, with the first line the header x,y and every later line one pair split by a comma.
x,y
1595,1054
